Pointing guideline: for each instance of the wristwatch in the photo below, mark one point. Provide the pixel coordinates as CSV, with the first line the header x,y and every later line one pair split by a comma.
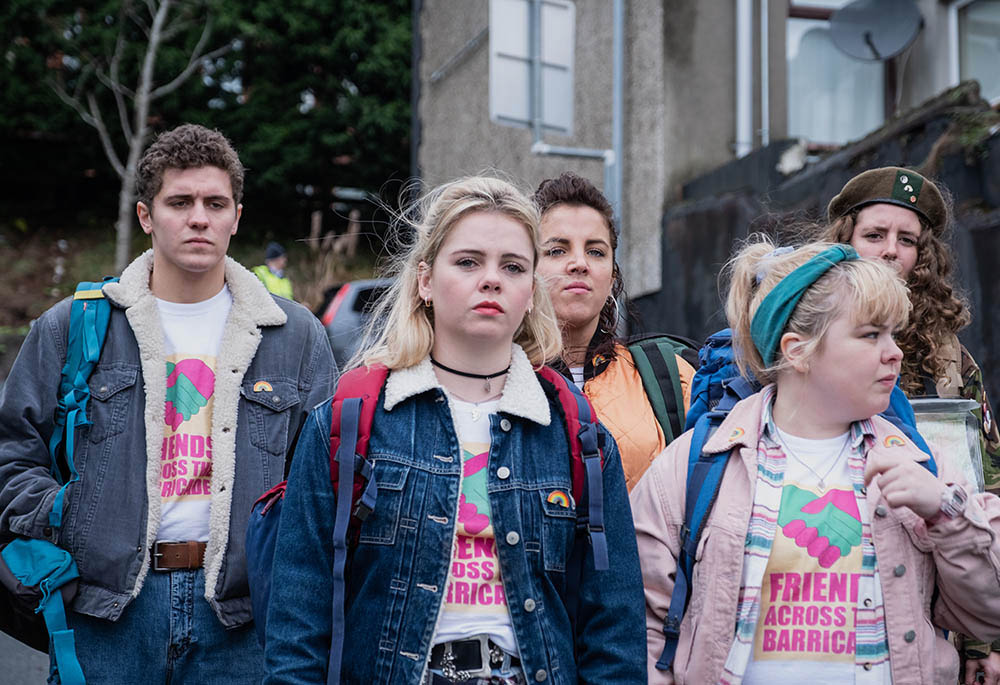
x,y
953,501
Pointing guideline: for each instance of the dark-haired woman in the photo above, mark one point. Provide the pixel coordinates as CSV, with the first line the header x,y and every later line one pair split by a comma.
x,y
579,239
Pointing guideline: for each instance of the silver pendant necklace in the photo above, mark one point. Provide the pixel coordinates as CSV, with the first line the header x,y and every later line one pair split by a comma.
x,y
821,479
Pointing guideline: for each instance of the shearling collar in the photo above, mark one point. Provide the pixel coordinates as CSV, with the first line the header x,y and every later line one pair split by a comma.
x,y
522,393
248,293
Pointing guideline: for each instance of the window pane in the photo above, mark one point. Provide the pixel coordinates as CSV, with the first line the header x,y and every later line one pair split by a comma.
x,y
979,45
832,97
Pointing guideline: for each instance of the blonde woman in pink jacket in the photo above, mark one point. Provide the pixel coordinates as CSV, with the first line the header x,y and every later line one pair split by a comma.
x,y
832,554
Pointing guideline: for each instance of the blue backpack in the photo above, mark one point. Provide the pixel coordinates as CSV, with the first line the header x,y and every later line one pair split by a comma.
x,y
37,578
716,388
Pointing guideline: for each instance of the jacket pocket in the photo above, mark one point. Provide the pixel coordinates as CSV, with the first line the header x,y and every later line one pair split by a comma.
x,y
558,527
110,390
268,403
380,526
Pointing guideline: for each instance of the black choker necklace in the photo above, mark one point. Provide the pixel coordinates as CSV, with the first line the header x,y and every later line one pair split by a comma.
x,y
485,376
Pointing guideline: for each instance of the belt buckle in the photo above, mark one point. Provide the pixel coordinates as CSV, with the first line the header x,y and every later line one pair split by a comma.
x,y
485,670
157,554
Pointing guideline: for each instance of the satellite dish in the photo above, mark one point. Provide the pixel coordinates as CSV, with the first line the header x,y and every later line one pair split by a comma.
x,y
876,30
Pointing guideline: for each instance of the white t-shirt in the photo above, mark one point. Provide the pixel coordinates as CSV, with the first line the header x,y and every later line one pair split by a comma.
x,y
191,336
806,629
475,602
577,373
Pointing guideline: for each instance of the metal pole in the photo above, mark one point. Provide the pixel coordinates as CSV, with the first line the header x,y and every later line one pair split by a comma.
x,y
744,77
535,34
765,112
617,123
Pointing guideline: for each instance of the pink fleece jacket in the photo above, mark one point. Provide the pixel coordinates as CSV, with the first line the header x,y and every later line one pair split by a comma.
x,y
960,556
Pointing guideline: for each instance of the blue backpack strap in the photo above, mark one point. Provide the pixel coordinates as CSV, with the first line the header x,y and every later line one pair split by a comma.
x,y
41,564
350,418
704,477
591,455
586,460
900,414
90,314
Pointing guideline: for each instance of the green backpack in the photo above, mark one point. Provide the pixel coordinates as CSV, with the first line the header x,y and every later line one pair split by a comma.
x,y
655,358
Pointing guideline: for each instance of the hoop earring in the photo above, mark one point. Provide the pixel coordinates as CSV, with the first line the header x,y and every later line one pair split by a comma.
x,y
428,304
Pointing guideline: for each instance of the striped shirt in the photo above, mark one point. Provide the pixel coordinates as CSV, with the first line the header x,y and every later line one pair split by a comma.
x,y
871,656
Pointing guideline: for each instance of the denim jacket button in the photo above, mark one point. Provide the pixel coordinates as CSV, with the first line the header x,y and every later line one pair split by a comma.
x,y
504,425
529,605
503,473
881,510
899,570
513,538
910,636
541,675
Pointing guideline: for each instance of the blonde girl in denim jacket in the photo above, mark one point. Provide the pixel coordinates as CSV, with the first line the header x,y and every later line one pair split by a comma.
x,y
470,569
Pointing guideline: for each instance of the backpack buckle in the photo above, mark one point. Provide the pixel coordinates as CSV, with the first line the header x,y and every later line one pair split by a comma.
x,y
362,511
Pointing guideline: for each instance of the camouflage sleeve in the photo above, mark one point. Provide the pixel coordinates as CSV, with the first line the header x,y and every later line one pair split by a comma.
x,y
973,388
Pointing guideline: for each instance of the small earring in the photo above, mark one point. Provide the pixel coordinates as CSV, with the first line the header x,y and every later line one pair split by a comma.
x,y
428,303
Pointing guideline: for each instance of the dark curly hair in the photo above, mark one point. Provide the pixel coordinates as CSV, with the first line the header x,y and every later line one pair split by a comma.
x,y
188,146
571,189
939,311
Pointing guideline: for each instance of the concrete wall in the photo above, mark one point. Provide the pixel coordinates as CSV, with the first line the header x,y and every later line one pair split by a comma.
x,y
924,69
679,106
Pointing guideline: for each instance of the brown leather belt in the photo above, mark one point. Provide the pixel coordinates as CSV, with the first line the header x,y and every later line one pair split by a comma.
x,y
171,556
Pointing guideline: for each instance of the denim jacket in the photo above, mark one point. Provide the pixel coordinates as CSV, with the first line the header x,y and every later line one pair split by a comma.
x,y
399,572
112,514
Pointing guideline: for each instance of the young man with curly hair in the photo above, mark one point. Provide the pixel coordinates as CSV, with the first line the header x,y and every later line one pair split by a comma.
x,y
203,381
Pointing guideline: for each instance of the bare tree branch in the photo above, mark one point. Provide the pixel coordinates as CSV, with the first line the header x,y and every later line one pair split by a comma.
x,y
102,131
176,27
111,84
114,83
151,6
132,14
196,59
72,101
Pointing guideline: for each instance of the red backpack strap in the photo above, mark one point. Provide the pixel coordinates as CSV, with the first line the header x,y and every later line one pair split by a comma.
x,y
587,461
352,409
363,384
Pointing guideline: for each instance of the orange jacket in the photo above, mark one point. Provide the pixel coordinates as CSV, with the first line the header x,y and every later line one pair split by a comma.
x,y
622,406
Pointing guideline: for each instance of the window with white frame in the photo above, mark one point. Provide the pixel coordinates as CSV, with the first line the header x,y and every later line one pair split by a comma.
x,y
832,98
976,37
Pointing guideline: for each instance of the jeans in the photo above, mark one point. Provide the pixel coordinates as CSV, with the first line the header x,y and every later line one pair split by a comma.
x,y
504,674
168,634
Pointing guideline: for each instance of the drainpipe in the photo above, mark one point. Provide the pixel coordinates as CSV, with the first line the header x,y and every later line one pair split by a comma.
x,y
765,110
744,77
617,120
535,35
417,54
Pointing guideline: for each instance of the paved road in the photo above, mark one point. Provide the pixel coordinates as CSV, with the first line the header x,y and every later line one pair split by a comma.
x,y
20,665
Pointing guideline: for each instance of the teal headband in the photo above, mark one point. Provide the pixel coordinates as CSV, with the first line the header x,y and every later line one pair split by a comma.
x,y
773,313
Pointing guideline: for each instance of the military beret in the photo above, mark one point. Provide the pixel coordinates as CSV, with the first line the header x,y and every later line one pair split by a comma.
x,y
895,186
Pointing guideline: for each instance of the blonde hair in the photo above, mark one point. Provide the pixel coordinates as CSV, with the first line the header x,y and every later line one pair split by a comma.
x,y
400,332
869,290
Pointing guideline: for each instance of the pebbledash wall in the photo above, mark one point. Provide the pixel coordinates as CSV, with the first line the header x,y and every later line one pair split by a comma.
x,y
679,106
